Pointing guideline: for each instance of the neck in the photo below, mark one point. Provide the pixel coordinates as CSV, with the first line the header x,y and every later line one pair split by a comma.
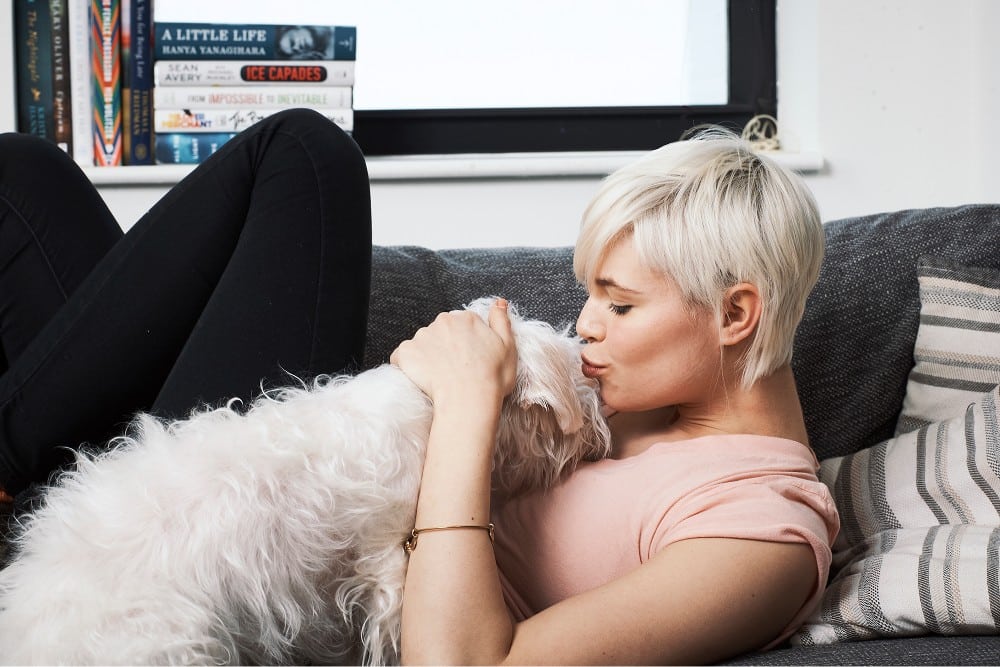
x,y
770,408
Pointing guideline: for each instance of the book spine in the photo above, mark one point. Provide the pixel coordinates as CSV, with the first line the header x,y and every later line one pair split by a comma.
x,y
62,106
33,29
138,84
125,56
230,41
243,72
254,97
78,19
230,120
188,147
105,42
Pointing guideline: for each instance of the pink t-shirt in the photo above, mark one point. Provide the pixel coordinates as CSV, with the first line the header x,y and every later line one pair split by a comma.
x,y
610,516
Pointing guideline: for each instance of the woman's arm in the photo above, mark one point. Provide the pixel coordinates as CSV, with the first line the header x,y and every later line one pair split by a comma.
x,y
697,601
453,609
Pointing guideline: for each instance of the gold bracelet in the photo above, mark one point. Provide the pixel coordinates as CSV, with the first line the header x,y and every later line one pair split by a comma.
x,y
410,543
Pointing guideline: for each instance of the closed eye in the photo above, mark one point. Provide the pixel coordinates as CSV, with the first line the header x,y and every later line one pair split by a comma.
x,y
618,309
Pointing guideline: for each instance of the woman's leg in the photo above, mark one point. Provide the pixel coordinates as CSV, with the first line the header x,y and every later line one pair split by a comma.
x,y
293,296
256,264
54,228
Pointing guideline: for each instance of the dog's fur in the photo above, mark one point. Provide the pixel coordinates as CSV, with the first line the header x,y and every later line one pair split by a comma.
x,y
273,534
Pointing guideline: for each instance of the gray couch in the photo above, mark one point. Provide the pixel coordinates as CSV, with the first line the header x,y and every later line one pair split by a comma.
x,y
853,351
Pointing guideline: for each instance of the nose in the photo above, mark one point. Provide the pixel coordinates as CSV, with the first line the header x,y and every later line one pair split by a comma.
x,y
588,324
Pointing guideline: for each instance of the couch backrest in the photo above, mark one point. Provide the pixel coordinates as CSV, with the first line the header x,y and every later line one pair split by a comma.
x,y
411,285
853,351
854,348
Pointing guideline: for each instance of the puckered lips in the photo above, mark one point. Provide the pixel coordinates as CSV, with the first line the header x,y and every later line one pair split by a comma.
x,y
590,369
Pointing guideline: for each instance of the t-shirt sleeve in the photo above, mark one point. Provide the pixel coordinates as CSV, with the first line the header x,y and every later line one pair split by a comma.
x,y
770,507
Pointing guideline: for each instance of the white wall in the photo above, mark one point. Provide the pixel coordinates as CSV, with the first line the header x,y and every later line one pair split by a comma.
x,y
898,96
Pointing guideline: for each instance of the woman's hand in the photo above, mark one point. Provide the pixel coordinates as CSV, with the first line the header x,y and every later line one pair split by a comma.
x,y
458,353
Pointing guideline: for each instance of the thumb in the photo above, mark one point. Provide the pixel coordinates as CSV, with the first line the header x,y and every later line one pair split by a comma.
x,y
499,321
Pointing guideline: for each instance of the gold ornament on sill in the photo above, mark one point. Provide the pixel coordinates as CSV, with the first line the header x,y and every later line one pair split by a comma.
x,y
761,132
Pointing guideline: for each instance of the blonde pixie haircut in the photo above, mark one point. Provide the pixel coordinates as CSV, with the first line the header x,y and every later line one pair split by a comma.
x,y
709,212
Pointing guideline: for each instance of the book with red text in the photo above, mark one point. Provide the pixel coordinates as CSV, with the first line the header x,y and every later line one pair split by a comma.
x,y
253,72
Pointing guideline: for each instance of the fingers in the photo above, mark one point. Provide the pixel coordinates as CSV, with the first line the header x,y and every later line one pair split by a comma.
x,y
448,325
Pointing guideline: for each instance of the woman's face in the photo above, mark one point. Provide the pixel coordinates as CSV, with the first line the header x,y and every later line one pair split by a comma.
x,y
645,345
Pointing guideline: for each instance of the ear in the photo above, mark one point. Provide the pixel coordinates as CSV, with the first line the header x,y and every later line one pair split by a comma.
x,y
741,309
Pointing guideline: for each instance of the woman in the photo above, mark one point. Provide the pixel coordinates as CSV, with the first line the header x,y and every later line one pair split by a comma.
x,y
707,533
254,267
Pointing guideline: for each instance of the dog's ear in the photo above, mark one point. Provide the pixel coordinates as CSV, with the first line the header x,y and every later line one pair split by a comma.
x,y
548,363
552,419
547,370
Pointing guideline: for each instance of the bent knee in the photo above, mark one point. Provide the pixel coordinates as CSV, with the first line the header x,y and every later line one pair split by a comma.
x,y
314,129
26,157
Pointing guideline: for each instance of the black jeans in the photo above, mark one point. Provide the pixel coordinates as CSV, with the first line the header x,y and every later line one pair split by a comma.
x,y
255,266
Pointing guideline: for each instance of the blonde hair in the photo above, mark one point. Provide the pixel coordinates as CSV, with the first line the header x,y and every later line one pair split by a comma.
x,y
709,212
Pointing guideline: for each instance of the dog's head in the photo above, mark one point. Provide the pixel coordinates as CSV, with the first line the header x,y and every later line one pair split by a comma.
x,y
552,419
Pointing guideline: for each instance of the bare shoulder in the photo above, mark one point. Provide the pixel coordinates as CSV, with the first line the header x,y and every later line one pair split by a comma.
x,y
699,600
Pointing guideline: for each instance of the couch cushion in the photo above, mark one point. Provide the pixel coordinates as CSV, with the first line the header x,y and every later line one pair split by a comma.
x,y
957,353
976,650
920,529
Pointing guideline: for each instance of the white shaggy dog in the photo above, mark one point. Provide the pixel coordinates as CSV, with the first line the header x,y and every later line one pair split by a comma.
x,y
271,535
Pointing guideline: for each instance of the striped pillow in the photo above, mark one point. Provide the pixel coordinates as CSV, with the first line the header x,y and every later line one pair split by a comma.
x,y
918,548
957,352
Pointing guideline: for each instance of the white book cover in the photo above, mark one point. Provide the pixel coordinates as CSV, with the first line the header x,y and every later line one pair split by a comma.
x,y
255,97
78,12
230,120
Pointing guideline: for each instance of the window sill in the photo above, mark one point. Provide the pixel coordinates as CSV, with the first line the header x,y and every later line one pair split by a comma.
x,y
450,167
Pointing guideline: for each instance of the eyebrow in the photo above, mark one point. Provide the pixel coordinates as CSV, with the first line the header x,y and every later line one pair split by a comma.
x,y
607,283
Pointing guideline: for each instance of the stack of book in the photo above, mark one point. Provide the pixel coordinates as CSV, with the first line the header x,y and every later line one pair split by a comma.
x,y
85,79
213,80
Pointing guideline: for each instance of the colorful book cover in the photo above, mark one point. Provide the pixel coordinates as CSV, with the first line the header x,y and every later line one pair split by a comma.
x,y
255,97
62,107
243,72
137,81
105,61
230,120
233,41
33,33
188,147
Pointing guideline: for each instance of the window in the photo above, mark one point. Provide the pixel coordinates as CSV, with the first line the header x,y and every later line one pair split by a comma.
x,y
469,76
548,54
748,88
